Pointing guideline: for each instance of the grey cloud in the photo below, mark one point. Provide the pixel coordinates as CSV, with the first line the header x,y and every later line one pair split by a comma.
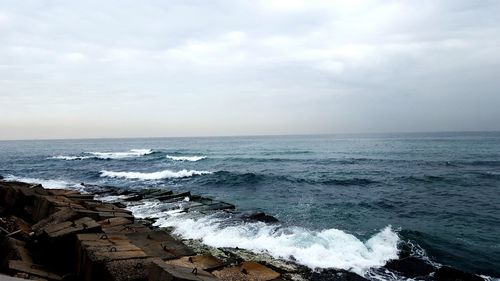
x,y
169,68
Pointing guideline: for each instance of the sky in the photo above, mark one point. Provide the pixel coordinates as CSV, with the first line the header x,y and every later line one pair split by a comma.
x,y
92,69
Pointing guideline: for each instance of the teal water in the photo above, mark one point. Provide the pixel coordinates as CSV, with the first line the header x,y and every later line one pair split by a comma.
x,y
440,192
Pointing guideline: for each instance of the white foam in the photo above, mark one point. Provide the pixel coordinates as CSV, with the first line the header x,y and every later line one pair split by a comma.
x,y
165,174
112,198
119,155
64,157
186,158
330,248
106,155
145,208
47,183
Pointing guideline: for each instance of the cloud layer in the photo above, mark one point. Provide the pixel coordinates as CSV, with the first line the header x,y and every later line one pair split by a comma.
x,y
172,68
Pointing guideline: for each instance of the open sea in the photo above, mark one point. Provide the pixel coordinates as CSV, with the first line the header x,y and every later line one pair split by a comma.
x,y
345,201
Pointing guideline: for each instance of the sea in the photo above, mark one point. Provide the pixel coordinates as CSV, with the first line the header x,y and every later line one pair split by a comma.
x,y
349,202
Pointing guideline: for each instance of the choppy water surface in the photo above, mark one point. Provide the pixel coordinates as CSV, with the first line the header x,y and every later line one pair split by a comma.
x,y
343,201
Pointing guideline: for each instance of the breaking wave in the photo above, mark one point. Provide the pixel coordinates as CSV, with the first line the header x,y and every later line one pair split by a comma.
x,y
106,155
118,155
186,158
330,248
165,174
63,157
47,183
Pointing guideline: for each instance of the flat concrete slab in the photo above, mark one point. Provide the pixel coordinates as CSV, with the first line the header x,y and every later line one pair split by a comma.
x,y
251,271
128,270
205,262
160,244
33,269
160,271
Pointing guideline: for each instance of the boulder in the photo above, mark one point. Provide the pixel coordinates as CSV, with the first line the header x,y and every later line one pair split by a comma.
x,y
262,217
410,267
446,273
335,275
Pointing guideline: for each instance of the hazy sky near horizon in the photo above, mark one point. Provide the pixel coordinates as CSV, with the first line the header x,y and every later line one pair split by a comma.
x,y
72,69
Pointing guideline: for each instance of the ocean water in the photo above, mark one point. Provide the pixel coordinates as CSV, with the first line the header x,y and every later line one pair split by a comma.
x,y
343,201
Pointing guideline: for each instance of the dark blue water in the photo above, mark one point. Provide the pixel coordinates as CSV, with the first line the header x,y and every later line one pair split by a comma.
x,y
438,191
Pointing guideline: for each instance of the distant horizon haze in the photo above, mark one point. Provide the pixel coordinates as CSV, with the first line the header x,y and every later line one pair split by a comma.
x,y
340,134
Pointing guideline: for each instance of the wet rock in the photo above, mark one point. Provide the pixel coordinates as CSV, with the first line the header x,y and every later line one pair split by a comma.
x,y
446,273
134,198
205,262
410,267
119,204
159,244
71,227
262,217
247,271
335,275
159,271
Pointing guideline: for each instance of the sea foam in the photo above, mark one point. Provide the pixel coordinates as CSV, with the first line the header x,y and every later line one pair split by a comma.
x,y
165,174
186,158
64,157
47,183
118,155
330,248
106,155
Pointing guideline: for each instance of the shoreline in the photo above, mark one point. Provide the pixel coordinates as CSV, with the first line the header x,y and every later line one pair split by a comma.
x,y
52,217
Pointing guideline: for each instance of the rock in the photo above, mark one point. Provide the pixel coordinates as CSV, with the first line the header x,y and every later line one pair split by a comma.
x,y
94,250
119,205
44,206
159,244
128,270
33,270
205,262
160,271
113,222
13,249
262,217
213,206
446,273
410,267
61,215
335,275
247,271
71,227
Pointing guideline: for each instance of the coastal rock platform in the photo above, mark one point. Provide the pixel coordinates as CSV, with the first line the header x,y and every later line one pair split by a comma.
x,y
58,234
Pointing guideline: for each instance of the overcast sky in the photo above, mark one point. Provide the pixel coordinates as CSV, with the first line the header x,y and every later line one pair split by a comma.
x,y
120,68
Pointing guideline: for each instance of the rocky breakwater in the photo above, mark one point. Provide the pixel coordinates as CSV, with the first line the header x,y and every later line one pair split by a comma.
x,y
58,234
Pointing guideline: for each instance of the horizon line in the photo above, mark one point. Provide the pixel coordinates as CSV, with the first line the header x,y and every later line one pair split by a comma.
x,y
258,135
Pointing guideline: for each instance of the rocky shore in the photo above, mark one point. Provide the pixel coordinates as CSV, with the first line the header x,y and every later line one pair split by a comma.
x,y
59,234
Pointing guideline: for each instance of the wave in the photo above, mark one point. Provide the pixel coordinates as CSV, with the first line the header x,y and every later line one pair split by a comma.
x,y
119,155
330,248
106,155
165,174
47,183
186,158
63,157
